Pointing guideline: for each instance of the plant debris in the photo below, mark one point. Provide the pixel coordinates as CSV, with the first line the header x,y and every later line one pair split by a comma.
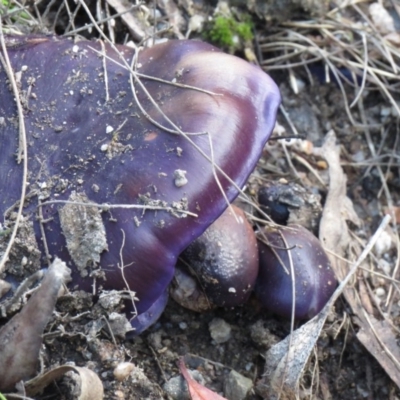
x,y
337,64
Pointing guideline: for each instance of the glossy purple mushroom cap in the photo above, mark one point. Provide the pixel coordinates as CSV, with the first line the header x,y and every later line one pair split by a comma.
x,y
224,260
89,141
314,278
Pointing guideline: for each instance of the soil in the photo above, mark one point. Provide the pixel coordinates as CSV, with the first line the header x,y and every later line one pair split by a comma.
x,y
340,367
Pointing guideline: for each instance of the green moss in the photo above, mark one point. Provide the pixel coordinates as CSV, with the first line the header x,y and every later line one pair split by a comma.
x,y
227,32
17,13
245,31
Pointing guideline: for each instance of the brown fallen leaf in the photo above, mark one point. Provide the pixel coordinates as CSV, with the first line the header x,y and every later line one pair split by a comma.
x,y
21,337
196,390
90,386
377,336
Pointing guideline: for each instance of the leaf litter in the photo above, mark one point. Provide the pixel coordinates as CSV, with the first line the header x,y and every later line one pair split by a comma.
x,y
371,62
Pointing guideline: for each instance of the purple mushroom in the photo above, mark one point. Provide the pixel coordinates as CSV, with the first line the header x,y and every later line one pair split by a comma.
x,y
314,278
91,141
224,260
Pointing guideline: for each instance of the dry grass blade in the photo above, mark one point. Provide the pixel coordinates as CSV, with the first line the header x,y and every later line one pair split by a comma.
x,y
22,149
347,40
106,207
297,44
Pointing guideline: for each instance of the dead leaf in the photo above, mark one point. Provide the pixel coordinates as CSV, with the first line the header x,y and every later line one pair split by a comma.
x,y
376,336
382,345
285,361
333,227
196,390
393,38
90,384
21,337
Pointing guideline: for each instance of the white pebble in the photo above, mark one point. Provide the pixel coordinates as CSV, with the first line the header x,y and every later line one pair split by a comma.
x,y
123,370
183,325
220,330
180,178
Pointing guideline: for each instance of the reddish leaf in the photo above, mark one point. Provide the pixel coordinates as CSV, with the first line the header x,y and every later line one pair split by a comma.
x,y
197,391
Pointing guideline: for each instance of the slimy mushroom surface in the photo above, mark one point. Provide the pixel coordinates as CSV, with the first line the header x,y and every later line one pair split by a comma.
x,y
314,279
224,260
90,140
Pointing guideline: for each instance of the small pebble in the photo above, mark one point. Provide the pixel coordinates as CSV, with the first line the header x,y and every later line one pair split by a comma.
x,y
183,325
220,330
176,388
262,336
237,386
380,292
180,178
248,366
119,394
4,287
119,325
123,370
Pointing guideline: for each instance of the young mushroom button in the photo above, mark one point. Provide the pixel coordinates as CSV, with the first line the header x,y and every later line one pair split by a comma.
x,y
224,260
293,248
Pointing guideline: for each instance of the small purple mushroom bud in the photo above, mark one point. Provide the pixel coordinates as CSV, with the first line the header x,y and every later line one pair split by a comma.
x,y
224,259
314,278
97,134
